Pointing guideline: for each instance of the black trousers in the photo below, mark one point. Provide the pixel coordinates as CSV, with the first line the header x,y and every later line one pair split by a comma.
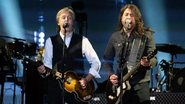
x,y
140,94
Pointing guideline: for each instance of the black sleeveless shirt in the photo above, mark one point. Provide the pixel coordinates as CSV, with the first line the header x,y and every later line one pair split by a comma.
x,y
72,58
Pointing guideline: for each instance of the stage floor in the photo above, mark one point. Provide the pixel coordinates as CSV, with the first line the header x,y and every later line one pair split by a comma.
x,y
99,98
8,94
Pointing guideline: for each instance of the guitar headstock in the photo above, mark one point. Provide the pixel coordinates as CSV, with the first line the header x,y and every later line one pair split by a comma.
x,y
151,54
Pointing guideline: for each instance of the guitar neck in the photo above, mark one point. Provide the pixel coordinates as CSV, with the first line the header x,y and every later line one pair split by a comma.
x,y
131,72
134,70
49,71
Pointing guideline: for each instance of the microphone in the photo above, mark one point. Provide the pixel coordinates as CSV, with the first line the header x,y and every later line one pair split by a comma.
x,y
65,25
128,24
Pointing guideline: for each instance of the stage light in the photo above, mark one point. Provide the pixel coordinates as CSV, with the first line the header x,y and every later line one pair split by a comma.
x,y
41,39
11,18
35,36
155,17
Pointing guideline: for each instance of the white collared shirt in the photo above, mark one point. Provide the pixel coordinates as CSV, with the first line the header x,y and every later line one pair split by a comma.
x,y
87,51
67,38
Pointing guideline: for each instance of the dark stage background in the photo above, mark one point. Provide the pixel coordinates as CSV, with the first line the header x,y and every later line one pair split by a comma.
x,y
97,20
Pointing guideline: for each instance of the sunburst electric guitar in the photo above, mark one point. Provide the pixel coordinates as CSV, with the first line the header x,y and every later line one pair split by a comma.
x,y
71,82
114,93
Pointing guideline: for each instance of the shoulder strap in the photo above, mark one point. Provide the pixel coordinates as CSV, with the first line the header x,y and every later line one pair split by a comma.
x,y
136,52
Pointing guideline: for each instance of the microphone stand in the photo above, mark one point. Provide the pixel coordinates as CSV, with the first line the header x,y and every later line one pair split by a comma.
x,y
63,55
122,66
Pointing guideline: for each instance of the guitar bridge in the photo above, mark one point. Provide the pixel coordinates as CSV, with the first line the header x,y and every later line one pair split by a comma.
x,y
68,80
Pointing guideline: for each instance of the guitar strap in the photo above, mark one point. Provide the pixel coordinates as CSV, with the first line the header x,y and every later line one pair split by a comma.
x,y
136,52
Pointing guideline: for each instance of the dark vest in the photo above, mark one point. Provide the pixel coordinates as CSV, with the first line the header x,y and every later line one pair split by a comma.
x,y
72,59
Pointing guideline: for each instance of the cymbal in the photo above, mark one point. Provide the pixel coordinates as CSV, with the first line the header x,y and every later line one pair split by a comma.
x,y
16,39
170,48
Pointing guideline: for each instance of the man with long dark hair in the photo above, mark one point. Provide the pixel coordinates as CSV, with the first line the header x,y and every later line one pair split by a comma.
x,y
128,48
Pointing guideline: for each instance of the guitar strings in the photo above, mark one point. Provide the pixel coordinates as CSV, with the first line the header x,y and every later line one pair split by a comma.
x,y
60,83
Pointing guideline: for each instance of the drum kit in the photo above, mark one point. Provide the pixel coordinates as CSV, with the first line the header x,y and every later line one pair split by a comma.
x,y
171,77
19,48
15,50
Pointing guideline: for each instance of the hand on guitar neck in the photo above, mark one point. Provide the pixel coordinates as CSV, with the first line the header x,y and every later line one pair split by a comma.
x,y
145,62
45,71
114,79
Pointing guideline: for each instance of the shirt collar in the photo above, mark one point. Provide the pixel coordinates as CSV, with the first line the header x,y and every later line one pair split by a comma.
x,y
67,36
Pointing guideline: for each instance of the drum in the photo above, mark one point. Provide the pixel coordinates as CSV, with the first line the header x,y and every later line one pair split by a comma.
x,y
6,64
178,81
5,58
16,49
30,49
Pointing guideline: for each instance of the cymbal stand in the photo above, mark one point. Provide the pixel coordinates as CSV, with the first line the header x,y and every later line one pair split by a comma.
x,y
168,75
15,65
164,65
157,76
23,82
160,83
122,66
170,71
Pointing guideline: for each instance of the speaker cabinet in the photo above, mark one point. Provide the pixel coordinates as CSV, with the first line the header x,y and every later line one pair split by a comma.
x,y
178,81
167,98
99,98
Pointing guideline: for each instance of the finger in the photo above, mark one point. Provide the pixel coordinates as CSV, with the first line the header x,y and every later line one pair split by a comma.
x,y
83,85
82,82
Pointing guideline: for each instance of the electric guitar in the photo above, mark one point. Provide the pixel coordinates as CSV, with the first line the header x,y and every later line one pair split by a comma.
x,y
114,93
71,82
72,85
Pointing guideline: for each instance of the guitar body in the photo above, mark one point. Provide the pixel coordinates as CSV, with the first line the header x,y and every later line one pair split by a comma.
x,y
71,82
72,85
114,92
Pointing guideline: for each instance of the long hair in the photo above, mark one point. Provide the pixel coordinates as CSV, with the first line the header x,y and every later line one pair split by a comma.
x,y
139,26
